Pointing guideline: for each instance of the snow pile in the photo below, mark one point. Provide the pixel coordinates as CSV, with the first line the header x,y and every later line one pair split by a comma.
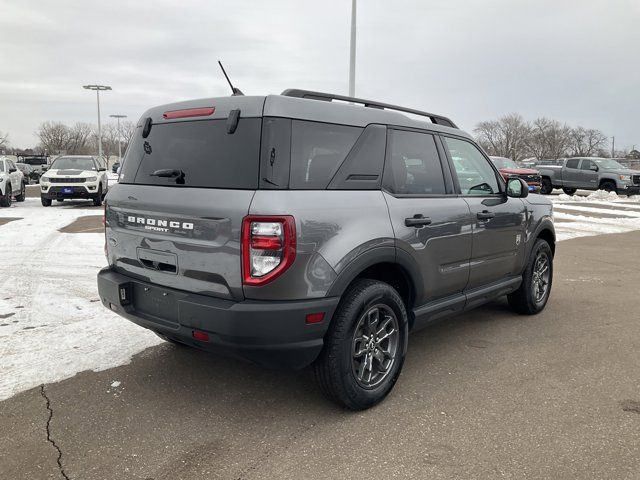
x,y
598,195
52,324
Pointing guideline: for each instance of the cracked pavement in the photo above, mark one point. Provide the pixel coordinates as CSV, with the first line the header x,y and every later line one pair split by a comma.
x,y
486,395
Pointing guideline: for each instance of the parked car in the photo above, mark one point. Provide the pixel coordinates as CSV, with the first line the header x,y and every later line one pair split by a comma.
x,y
74,176
590,173
294,229
31,175
115,167
12,182
39,163
509,168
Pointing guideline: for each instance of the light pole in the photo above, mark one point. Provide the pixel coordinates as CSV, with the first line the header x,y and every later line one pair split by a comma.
x,y
98,88
352,52
119,136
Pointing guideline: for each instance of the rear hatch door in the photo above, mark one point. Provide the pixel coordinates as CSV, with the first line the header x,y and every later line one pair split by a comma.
x,y
175,217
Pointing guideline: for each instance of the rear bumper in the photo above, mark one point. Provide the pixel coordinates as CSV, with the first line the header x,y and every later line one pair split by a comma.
x,y
272,334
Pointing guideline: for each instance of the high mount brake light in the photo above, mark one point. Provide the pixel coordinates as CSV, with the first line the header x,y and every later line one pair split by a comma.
x,y
268,247
189,112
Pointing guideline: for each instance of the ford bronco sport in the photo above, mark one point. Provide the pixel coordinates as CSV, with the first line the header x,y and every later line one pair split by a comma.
x,y
315,229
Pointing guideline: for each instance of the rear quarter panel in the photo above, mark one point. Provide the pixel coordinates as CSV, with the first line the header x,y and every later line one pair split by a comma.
x,y
333,227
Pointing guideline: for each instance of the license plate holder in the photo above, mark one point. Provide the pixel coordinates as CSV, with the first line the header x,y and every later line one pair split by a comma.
x,y
67,190
158,303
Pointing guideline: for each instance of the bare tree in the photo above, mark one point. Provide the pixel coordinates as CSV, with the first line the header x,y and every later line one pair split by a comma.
x,y
4,140
585,142
505,137
54,137
548,139
80,139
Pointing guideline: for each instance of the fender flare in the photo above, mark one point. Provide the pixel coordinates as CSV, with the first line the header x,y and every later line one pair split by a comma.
x,y
373,257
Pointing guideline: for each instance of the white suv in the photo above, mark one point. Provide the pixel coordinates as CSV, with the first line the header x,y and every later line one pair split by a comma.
x,y
12,183
74,176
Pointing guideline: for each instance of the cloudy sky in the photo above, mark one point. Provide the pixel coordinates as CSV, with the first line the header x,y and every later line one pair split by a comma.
x,y
577,61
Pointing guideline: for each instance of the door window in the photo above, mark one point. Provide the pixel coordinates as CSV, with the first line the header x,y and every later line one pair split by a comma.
x,y
586,165
413,164
475,174
572,163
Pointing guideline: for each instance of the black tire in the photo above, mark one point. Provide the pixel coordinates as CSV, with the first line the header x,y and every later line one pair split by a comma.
x,y
5,200
46,202
59,200
608,186
528,300
339,371
547,186
97,200
23,193
569,191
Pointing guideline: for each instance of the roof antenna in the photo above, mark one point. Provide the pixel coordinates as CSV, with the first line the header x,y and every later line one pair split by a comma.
x,y
234,91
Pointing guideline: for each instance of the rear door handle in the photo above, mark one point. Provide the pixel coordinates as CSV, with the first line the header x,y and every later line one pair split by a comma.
x,y
417,221
486,215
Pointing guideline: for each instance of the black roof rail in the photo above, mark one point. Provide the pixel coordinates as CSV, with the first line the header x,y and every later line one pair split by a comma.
x,y
328,97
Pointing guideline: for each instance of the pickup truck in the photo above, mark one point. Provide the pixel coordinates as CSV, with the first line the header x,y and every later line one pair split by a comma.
x,y
590,173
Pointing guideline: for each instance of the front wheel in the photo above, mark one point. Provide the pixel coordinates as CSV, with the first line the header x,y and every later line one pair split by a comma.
x,y
364,347
569,191
46,202
533,293
5,200
97,200
547,186
608,187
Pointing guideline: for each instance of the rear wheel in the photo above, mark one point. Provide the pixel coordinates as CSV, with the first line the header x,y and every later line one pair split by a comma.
x,y
365,346
5,200
23,193
569,191
46,202
533,293
608,186
59,200
546,187
97,200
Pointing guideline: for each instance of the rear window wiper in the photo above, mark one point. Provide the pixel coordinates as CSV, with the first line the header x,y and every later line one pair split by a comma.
x,y
169,173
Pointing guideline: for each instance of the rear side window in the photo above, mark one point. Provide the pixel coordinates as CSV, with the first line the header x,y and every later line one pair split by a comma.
x,y
573,163
195,154
413,164
317,151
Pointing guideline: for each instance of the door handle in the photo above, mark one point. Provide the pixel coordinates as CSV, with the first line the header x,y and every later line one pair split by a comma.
x,y
417,221
485,215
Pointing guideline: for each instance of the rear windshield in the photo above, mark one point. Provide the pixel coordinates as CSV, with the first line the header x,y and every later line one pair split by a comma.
x,y
195,154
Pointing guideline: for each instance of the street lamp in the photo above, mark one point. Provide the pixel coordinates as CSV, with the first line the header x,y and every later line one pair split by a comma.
x,y
98,88
352,52
119,136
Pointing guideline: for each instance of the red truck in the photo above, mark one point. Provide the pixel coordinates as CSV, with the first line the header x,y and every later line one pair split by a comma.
x,y
509,168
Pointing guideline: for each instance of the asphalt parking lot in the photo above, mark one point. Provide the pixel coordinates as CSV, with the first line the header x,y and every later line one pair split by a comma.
x,y
485,395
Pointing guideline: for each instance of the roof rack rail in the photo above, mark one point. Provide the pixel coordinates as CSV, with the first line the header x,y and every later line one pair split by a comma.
x,y
328,97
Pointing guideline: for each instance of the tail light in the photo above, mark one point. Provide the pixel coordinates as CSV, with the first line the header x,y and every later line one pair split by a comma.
x,y
268,247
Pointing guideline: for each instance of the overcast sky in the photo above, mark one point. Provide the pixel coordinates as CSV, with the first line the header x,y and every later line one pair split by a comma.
x,y
575,61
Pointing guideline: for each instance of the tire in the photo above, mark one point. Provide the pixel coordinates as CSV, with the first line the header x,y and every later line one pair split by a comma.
x,y
23,193
60,200
532,295
5,200
97,200
348,378
569,191
546,187
608,187
46,202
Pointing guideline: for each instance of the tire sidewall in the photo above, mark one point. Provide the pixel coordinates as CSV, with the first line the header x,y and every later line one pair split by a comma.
x,y
540,245
379,293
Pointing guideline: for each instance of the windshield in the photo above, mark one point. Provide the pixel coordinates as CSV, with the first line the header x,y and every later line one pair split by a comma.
x,y
73,163
34,161
607,163
501,162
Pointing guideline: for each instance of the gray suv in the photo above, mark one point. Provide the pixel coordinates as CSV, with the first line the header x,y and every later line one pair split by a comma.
x,y
315,229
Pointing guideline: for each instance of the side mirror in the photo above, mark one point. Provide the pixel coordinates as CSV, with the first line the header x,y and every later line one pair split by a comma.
x,y
517,188
12,170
